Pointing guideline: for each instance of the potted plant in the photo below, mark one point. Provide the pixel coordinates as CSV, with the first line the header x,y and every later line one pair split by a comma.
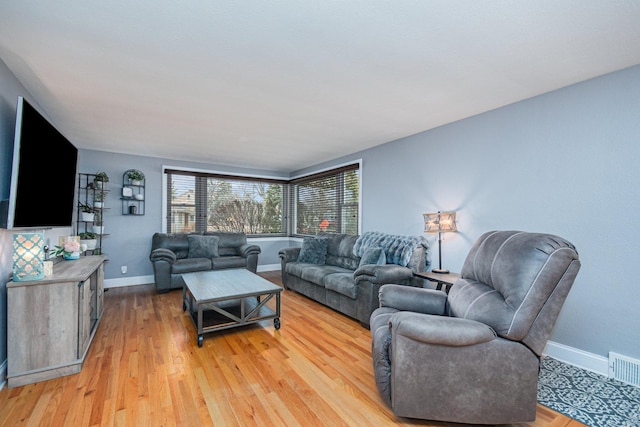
x,y
98,200
70,249
100,179
98,228
135,176
87,213
90,239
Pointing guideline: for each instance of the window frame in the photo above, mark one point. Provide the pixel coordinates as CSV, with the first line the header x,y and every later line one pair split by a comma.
x,y
289,208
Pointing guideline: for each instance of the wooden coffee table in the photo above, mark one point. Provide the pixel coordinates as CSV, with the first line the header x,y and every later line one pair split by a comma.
x,y
222,299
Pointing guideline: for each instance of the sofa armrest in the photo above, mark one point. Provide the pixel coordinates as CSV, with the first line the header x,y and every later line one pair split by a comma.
x,y
409,298
163,254
441,330
289,254
248,249
382,274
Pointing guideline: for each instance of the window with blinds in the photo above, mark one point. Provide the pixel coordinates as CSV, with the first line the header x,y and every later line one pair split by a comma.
x,y
327,201
207,202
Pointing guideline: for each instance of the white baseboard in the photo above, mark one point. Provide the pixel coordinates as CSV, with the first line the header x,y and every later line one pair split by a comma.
x,y
268,267
127,281
579,358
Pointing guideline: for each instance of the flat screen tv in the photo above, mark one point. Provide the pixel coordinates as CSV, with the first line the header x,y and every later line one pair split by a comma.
x,y
43,174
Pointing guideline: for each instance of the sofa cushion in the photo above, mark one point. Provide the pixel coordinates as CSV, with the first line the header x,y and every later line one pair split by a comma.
x,y
342,283
313,251
230,241
187,265
296,268
314,273
203,246
228,262
177,243
373,256
340,250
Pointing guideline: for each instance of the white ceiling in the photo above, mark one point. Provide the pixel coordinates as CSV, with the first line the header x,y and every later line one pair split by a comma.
x,y
282,85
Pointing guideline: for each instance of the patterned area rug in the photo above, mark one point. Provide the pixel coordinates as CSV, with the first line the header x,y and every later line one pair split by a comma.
x,y
590,398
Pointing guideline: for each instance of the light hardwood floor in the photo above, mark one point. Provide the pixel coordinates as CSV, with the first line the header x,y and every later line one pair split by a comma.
x,y
144,368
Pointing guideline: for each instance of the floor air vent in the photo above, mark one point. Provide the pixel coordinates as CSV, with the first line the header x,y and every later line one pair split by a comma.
x,y
625,369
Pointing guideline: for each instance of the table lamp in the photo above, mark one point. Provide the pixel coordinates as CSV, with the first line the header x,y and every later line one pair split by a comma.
x,y
28,256
440,222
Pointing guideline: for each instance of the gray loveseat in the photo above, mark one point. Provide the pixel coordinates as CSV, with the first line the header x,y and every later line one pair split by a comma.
x,y
349,270
173,255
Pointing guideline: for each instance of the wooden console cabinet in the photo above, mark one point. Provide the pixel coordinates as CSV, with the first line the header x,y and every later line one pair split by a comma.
x,y
51,322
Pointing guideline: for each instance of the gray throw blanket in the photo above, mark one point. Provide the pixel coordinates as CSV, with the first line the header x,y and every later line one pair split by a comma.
x,y
398,249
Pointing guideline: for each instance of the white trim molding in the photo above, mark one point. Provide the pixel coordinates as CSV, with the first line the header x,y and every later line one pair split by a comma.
x,y
579,358
128,281
268,267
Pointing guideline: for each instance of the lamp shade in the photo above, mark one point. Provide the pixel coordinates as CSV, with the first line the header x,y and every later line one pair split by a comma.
x,y
28,256
439,222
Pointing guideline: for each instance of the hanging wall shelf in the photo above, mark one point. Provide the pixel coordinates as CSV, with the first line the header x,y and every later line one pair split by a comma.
x,y
133,192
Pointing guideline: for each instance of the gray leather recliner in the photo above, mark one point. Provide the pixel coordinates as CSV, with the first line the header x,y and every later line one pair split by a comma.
x,y
473,356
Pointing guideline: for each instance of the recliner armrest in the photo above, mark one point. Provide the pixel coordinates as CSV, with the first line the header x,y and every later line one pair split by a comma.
x,y
382,274
409,298
249,249
163,254
441,330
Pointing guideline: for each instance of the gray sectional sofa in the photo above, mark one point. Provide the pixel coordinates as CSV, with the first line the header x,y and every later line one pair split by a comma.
x,y
172,255
346,271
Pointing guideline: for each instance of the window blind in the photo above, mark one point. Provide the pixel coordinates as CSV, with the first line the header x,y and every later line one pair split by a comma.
x,y
209,202
327,201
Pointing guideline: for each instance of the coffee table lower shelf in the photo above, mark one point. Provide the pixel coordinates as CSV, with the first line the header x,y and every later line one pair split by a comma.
x,y
210,317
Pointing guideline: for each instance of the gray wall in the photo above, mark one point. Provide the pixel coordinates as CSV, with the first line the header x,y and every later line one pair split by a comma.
x,y
558,163
565,162
129,237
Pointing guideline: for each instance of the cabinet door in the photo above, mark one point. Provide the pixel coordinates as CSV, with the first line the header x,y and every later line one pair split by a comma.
x,y
99,284
84,319
43,321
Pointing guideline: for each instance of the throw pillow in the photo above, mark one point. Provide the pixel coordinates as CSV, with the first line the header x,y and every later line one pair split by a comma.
x,y
203,246
373,256
313,251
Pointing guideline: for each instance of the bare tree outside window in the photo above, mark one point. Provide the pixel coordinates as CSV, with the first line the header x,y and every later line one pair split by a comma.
x,y
253,208
201,203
